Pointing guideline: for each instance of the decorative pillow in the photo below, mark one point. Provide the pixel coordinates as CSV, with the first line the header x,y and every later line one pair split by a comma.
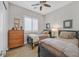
x,y
67,35
45,32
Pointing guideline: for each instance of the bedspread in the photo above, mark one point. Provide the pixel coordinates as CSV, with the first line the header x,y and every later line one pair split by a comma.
x,y
67,48
35,37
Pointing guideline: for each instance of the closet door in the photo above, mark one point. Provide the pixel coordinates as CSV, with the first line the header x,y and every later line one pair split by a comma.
x,y
3,27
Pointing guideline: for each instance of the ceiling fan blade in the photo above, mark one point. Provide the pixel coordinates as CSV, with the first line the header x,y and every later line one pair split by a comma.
x,y
43,1
47,5
40,8
35,4
35,7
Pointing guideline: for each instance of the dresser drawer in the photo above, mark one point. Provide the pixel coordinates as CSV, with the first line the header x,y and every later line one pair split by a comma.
x,y
16,35
15,38
17,31
16,44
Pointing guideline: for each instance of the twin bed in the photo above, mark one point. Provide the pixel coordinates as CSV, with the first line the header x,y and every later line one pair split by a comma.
x,y
33,39
66,45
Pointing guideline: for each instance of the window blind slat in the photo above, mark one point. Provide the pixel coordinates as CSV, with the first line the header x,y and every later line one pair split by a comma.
x,y
31,24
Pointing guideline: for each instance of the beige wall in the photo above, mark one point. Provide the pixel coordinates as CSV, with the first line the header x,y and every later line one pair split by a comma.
x,y
3,28
70,11
19,12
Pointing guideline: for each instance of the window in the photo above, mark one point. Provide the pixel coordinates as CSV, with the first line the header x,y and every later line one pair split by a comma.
x,y
31,24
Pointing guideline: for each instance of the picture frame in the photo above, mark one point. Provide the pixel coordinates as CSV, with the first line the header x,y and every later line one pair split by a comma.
x,y
67,24
17,23
47,26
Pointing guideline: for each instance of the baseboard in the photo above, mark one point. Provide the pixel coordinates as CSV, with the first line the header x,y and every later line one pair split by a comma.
x,y
25,42
2,53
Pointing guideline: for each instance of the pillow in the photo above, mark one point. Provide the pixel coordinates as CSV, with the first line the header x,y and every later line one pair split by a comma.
x,y
45,32
67,35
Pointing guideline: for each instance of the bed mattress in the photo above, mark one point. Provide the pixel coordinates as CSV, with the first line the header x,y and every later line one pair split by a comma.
x,y
66,47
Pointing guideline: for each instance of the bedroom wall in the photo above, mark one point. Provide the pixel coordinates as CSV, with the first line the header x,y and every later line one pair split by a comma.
x,y
70,11
3,28
19,12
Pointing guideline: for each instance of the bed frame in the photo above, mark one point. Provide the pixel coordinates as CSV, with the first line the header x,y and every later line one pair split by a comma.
x,y
33,44
43,52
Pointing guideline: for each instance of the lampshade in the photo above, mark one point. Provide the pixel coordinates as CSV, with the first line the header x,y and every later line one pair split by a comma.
x,y
56,26
54,29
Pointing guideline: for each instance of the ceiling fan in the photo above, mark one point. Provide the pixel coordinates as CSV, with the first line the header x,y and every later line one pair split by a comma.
x,y
42,3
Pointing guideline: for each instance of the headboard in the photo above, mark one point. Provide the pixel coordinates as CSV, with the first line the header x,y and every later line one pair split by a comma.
x,y
77,32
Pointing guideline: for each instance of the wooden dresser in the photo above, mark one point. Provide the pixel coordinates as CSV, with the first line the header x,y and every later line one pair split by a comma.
x,y
15,38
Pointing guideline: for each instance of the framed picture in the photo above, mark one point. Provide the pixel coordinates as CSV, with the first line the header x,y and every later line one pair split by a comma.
x,y
67,24
16,23
47,26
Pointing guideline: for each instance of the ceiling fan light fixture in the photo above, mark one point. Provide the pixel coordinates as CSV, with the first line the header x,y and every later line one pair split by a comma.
x,y
41,3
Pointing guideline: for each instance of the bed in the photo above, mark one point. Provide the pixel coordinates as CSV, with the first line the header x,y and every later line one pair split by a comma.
x,y
60,47
33,39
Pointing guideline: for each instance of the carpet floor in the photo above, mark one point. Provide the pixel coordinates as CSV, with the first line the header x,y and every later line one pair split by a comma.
x,y
25,51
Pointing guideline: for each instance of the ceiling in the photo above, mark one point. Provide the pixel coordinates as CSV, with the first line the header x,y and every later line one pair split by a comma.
x,y
54,5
